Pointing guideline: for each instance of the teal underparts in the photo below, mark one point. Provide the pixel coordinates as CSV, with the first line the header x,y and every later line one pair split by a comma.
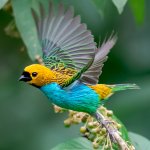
x,y
78,98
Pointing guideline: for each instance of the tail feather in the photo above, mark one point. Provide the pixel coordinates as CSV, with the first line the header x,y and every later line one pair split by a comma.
x,y
121,87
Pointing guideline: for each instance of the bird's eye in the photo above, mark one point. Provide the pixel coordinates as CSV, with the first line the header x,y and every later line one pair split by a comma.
x,y
34,74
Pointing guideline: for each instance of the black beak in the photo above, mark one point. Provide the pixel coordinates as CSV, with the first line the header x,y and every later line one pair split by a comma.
x,y
25,77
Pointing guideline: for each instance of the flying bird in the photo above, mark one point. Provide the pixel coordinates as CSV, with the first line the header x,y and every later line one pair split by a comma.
x,y
72,62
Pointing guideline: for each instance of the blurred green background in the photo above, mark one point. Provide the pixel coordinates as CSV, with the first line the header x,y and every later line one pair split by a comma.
x,y
27,120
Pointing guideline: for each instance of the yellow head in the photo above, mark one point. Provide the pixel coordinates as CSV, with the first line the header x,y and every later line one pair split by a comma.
x,y
37,75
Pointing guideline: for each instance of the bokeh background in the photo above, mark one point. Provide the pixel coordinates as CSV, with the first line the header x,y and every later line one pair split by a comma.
x,y
27,119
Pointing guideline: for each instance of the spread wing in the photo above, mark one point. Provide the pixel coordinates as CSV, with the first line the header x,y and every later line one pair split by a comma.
x,y
66,42
91,76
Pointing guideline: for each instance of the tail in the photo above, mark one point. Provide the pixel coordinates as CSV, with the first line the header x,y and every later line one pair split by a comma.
x,y
121,87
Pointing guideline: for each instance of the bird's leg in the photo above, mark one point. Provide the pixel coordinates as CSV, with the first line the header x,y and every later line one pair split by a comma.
x,y
105,123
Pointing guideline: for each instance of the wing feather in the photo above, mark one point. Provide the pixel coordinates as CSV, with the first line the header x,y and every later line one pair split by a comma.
x,y
64,38
66,42
91,76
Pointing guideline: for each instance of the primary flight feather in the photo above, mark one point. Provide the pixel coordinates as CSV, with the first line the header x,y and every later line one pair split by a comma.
x,y
73,62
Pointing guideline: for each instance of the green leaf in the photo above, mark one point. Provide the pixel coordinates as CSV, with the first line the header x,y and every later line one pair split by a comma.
x,y
140,142
138,10
120,5
2,3
78,143
26,26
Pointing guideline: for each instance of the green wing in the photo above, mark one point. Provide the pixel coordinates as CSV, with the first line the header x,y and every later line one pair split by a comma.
x,y
66,43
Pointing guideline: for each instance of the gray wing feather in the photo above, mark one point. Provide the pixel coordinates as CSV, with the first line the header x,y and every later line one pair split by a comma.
x,y
64,36
91,76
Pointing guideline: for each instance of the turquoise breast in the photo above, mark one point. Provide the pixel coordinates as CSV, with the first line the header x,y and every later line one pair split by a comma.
x,y
78,98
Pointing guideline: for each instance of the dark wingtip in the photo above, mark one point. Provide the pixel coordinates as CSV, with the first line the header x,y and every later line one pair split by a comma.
x,y
42,11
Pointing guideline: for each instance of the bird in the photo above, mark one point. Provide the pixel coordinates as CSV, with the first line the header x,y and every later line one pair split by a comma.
x,y
72,62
